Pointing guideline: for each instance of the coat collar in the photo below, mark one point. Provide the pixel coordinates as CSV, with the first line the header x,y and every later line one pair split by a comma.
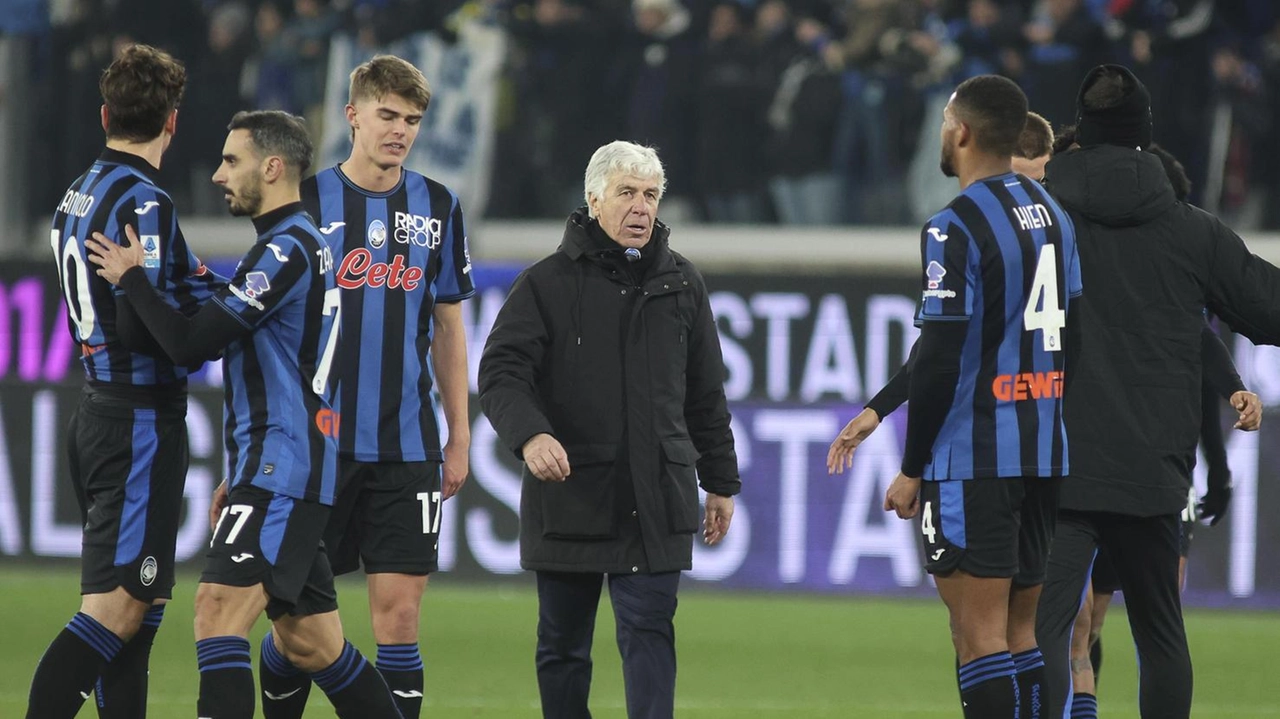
x,y
576,242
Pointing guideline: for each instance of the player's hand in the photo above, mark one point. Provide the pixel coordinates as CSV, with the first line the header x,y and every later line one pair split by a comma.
x,y
903,496
1250,409
215,506
457,463
840,456
546,458
1213,505
112,259
719,514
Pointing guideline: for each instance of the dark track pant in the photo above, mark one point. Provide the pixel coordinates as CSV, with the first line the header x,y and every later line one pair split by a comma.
x,y
644,606
1144,551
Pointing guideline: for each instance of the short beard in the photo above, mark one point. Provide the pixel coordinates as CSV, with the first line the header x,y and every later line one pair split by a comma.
x,y
247,203
947,164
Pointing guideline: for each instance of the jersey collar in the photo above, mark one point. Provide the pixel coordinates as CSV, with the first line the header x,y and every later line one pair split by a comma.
x,y
128,158
264,223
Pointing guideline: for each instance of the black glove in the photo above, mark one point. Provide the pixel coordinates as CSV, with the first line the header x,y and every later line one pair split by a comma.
x,y
1213,506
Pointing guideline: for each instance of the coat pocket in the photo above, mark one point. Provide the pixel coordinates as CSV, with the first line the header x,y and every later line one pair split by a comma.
x,y
582,506
680,484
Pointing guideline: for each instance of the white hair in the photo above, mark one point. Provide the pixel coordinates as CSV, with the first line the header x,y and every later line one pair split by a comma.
x,y
621,158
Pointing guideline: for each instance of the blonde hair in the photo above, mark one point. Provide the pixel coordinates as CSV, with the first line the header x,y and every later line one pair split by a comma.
x,y
389,75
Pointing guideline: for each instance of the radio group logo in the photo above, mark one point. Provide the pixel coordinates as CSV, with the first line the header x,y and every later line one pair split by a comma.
x,y
416,229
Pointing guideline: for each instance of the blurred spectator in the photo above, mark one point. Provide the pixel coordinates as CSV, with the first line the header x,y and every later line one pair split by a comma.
x,y
808,111
307,35
1169,45
557,115
1268,172
988,36
656,71
884,47
802,121
729,99
213,97
269,73
1242,119
1064,40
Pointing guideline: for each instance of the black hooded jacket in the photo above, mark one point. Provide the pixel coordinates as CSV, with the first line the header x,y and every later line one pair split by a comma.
x,y
626,373
1151,265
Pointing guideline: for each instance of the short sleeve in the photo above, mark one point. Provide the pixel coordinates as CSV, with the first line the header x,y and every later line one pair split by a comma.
x,y
948,276
453,281
266,279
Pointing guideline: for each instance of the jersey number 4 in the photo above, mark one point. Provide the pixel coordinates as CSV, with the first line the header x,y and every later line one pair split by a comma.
x,y
1043,311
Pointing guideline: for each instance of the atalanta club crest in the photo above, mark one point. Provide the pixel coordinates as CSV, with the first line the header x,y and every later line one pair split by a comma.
x,y
147,575
377,234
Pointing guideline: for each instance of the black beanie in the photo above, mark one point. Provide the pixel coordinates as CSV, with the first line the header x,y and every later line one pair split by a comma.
x,y
1127,123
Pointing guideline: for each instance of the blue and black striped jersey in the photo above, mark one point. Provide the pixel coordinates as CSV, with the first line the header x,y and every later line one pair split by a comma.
x,y
280,428
120,189
399,253
1003,256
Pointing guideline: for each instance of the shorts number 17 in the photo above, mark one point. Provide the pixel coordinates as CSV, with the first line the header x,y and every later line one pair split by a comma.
x,y
430,512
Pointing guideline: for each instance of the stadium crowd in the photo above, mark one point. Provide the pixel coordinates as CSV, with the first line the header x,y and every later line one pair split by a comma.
x,y
796,111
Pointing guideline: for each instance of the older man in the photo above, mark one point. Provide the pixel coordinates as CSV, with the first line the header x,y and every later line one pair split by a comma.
x,y
603,374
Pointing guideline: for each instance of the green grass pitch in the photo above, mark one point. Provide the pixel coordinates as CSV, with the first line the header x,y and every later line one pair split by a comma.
x,y
741,655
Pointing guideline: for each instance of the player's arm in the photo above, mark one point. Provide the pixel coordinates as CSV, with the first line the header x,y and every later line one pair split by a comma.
x,y
932,390
949,272
186,340
449,349
887,400
895,392
449,360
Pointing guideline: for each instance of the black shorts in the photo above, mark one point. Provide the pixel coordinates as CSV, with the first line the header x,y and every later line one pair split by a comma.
x,y
129,466
989,527
387,515
273,540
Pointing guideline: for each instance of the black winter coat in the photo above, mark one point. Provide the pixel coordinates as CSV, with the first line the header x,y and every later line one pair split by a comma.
x,y
630,380
1150,266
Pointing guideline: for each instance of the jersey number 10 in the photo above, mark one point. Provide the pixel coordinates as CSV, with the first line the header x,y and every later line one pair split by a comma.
x,y
1043,311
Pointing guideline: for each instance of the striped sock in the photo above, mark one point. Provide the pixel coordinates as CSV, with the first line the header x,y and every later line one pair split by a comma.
x,y
70,666
1084,706
1028,670
122,688
103,641
987,687
285,688
355,688
401,667
226,678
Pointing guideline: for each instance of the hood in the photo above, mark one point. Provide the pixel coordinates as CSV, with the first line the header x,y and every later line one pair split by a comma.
x,y
1110,185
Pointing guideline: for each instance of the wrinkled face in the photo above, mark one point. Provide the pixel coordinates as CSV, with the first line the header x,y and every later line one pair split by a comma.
x,y
950,129
240,174
628,209
384,129
1033,168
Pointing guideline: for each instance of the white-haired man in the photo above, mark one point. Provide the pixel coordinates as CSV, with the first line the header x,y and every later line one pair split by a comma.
x,y
603,373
